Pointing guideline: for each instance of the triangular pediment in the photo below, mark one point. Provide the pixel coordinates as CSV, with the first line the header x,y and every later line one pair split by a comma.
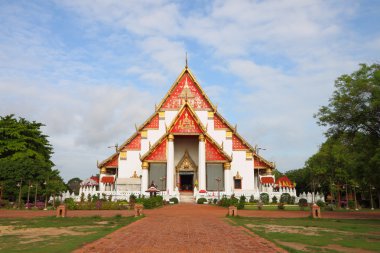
x,y
134,143
157,153
186,163
186,88
110,162
214,152
186,122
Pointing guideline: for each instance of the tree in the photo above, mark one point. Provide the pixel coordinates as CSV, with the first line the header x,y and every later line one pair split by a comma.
x,y
74,185
353,120
25,155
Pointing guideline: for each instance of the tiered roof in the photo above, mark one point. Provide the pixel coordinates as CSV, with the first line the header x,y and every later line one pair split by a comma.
x,y
186,95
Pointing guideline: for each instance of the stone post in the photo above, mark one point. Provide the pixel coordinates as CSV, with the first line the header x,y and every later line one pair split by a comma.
x,y
170,165
202,163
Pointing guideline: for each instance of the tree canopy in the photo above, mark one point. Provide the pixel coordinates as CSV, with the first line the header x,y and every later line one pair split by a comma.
x,y
25,155
351,153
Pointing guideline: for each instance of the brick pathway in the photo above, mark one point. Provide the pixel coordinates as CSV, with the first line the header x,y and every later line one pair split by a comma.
x,y
182,228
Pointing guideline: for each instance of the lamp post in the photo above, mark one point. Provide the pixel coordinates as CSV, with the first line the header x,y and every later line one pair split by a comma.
x,y
29,186
346,195
162,184
35,196
45,183
356,202
19,194
218,182
370,194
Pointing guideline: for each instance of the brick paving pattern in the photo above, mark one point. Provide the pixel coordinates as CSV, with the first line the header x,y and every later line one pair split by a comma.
x,y
182,228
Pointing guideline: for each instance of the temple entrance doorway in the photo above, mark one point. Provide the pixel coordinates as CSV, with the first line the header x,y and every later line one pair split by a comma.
x,y
186,182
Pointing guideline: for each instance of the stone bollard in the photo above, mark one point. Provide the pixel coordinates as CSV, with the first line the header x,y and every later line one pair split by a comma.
x,y
232,211
61,211
316,211
138,209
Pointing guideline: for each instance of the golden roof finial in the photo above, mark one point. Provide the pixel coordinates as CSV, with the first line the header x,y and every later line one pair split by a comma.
x,y
186,60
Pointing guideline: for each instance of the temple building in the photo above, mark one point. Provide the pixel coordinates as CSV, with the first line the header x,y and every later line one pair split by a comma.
x,y
186,146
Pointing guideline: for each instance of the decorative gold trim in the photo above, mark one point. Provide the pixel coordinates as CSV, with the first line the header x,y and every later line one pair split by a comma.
x,y
123,155
103,170
210,115
248,155
201,138
192,76
170,137
135,175
186,163
238,176
228,135
268,171
161,115
144,134
145,165
227,166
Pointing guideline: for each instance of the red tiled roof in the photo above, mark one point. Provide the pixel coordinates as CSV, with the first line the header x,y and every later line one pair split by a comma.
x,y
267,180
284,182
107,180
96,179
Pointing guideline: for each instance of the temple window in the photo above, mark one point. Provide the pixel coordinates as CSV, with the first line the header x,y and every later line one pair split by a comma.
x,y
237,181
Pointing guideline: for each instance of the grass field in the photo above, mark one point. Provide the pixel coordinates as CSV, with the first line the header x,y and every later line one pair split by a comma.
x,y
316,235
51,234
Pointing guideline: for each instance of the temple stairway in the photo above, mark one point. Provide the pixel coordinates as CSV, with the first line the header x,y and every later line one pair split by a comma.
x,y
186,197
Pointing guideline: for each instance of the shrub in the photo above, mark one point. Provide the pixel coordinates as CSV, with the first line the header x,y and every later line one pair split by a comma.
x,y
242,199
260,206
240,205
150,203
5,203
174,200
302,203
215,201
70,203
201,200
274,200
264,197
251,199
351,204
330,207
292,200
285,198
281,206
320,203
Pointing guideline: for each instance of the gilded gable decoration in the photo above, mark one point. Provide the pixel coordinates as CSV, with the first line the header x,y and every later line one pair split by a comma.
x,y
186,163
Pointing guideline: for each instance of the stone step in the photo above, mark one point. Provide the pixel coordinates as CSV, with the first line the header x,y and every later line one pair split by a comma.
x,y
187,198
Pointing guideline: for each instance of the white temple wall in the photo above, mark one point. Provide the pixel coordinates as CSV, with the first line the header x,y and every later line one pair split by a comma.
x,y
133,163
169,117
153,135
203,117
245,168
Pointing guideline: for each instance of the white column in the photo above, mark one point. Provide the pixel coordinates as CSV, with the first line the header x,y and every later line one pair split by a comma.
x,y
170,165
227,178
202,163
144,177
102,174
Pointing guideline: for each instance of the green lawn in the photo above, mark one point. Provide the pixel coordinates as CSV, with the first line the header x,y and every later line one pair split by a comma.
x,y
51,234
316,235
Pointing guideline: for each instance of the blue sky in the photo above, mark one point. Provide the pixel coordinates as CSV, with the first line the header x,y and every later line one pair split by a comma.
x,y
91,70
